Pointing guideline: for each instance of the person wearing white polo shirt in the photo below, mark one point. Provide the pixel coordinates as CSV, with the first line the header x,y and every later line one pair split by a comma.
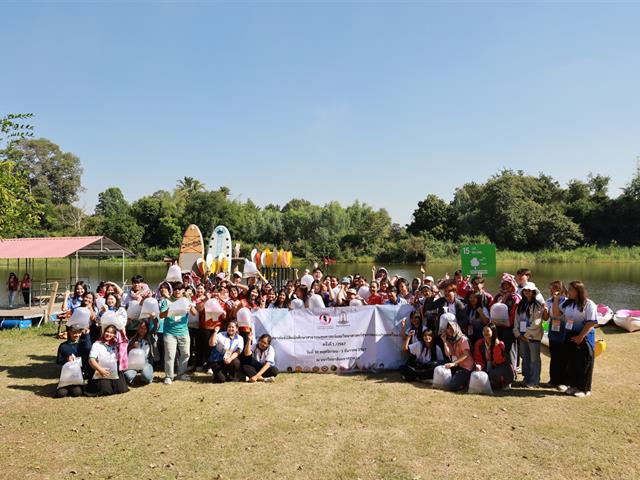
x,y
227,348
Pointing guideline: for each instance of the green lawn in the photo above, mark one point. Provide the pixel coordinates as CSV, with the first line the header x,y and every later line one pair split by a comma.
x,y
315,426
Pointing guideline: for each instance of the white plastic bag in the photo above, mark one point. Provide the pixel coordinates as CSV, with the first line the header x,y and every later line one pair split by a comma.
x,y
296,303
133,310
109,364
244,319
441,377
150,308
179,308
306,280
118,319
137,359
479,383
174,274
80,318
71,374
500,314
316,302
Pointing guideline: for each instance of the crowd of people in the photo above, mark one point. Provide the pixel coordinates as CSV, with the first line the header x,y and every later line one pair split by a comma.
x,y
455,324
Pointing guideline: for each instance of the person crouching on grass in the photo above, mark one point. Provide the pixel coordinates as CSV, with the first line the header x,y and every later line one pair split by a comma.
x,y
77,345
425,355
456,347
261,364
226,348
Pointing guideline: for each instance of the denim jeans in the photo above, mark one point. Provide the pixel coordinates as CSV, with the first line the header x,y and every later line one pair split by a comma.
x,y
12,297
171,344
146,373
531,364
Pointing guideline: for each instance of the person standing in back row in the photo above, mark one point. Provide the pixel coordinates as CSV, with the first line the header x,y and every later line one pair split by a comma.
x,y
580,318
12,288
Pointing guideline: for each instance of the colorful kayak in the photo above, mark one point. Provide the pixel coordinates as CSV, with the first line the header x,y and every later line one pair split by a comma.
x,y
628,319
605,314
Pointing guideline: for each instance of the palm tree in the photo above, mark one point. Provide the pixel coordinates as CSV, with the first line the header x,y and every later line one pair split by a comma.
x,y
189,185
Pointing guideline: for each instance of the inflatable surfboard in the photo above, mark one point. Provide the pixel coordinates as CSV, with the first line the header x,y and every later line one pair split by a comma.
x,y
220,244
191,248
628,319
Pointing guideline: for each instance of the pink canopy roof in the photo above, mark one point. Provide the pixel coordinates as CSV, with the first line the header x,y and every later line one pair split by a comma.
x,y
59,247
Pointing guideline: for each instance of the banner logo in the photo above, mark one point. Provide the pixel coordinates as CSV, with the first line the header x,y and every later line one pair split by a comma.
x,y
325,319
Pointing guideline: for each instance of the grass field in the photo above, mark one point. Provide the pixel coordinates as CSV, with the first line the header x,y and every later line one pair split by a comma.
x,y
315,426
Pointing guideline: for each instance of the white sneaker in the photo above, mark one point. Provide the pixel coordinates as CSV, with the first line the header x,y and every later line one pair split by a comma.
x,y
571,391
581,394
562,388
269,379
168,381
209,371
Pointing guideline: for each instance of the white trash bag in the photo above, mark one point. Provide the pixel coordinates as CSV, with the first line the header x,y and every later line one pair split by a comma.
x,y
296,304
174,274
179,308
499,314
316,302
441,377
80,318
71,374
133,310
137,359
479,383
118,319
150,308
306,280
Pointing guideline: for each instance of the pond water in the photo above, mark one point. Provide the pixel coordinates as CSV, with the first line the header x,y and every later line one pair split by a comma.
x,y
614,284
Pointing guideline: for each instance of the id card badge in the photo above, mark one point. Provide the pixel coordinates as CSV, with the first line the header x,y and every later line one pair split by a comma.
x,y
470,330
568,325
555,325
523,326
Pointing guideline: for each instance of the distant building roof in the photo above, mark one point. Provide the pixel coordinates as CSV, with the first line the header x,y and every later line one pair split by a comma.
x,y
60,247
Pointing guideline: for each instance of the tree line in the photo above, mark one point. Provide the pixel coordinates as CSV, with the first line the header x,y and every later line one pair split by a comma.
x,y
40,183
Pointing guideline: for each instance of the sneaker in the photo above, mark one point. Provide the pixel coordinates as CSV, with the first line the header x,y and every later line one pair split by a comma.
x,y
184,376
530,385
168,381
571,391
269,379
209,371
581,394
562,388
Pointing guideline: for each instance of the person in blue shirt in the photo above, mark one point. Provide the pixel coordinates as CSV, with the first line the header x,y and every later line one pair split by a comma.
x,y
580,318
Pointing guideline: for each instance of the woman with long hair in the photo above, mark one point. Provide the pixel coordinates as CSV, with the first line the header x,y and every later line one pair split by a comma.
x,y
491,356
580,318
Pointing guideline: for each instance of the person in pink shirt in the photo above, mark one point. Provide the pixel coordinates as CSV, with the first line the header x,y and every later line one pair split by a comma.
x,y
456,347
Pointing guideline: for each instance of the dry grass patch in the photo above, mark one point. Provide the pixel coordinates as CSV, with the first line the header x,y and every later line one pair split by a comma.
x,y
315,426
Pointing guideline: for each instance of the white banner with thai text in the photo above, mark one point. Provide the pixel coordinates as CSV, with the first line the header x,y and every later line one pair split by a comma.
x,y
338,339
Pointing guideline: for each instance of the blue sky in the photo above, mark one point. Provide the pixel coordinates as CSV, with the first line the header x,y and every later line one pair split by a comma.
x,y
381,102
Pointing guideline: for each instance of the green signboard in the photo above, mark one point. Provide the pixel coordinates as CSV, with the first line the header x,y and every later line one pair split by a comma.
x,y
478,260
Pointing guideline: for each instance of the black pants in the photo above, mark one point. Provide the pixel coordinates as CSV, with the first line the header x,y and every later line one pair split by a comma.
x,y
558,363
252,368
580,361
459,379
25,295
508,338
414,371
106,386
193,347
223,372
69,391
203,350
501,375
